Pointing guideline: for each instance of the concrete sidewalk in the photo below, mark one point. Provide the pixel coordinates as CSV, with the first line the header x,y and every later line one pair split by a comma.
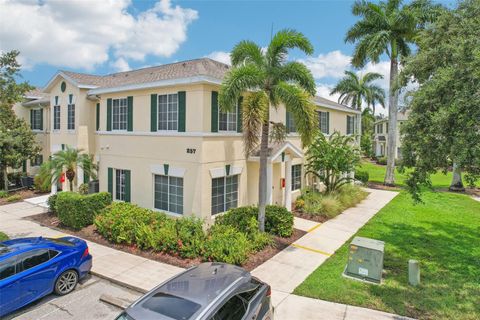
x,y
284,272
127,269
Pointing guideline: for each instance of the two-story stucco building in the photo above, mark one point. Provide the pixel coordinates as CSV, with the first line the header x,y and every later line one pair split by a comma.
x,y
380,138
161,141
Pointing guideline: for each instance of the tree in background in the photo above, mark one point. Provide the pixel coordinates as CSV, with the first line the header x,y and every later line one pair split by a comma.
x,y
354,90
443,128
366,142
388,28
270,80
17,141
332,160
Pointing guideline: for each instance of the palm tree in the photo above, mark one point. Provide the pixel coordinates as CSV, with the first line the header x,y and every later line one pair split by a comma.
x,y
68,160
354,90
269,80
387,28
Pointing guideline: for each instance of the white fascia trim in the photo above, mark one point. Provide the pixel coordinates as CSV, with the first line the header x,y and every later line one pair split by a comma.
x,y
69,79
169,134
156,84
288,145
222,172
334,107
172,171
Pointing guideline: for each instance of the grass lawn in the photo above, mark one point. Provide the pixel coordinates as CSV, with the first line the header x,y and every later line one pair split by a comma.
x,y
443,233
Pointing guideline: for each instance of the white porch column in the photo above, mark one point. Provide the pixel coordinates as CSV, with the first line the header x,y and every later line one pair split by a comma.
x,y
53,188
79,176
269,182
288,183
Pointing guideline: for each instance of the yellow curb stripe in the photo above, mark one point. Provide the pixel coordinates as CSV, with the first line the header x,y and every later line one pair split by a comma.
x,y
310,249
314,227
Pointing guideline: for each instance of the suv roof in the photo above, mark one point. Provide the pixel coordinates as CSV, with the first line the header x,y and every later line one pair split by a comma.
x,y
197,288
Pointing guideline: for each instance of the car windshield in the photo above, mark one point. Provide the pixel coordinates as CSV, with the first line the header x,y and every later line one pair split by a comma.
x,y
171,306
4,249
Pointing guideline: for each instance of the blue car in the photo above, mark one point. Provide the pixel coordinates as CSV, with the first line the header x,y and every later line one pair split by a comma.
x,y
31,268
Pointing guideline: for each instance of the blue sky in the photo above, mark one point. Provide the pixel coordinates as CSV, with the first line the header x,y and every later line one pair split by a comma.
x,y
102,37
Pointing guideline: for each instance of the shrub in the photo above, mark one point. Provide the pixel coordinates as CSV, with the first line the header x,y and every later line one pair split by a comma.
x,y
190,236
349,195
226,244
331,206
83,188
382,161
52,203
279,221
40,185
3,194
362,176
78,211
13,198
299,204
3,236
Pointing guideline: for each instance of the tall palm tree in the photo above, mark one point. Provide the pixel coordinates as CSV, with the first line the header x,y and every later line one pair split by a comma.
x,y
354,90
68,160
269,80
387,28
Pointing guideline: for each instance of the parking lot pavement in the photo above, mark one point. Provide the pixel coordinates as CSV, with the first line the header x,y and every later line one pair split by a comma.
x,y
81,304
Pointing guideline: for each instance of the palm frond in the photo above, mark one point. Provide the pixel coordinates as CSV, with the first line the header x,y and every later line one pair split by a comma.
x,y
238,80
284,40
255,112
246,52
297,72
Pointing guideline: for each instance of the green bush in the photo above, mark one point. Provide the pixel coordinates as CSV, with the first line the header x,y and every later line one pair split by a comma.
x,y
3,236
52,203
78,211
226,244
83,188
362,176
190,236
349,195
278,220
3,194
40,185
331,206
13,198
382,161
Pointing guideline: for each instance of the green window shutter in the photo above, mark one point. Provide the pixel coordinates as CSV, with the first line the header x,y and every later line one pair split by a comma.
x,y
24,166
127,185
181,110
110,181
98,117
328,122
41,119
109,114
240,115
63,146
130,113
86,177
287,121
31,119
153,112
214,111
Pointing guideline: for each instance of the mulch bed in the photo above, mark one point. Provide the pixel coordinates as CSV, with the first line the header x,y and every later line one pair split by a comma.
x,y
381,186
90,233
24,194
312,217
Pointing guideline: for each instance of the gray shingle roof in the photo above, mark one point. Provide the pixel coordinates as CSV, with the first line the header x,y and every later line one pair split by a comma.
x,y
178,70
319,101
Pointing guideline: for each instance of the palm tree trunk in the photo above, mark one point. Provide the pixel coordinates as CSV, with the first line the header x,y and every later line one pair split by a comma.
x,y
71,184
262,181
392,124
457,184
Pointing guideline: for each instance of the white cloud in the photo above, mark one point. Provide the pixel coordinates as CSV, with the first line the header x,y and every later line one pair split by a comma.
x,y
221,56
383,68
120,65
331,64
323,90
80,34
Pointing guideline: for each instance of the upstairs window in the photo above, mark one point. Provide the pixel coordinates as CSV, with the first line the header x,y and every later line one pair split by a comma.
x,y
56,118
168,112
119,114
227,121
71,117
323,122
290,123
36,119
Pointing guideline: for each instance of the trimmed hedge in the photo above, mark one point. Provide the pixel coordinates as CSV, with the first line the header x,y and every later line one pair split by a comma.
x,y
278,220
52,203
362,176
78,211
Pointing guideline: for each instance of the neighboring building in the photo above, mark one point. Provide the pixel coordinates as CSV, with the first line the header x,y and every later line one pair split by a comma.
x,y
380,137
36,111
161,141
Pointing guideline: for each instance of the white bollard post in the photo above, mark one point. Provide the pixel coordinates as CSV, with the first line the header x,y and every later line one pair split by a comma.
x,y
413,272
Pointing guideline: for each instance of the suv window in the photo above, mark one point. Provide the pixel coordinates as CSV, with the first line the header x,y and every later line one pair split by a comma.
x,y
7,268
236,307
34,258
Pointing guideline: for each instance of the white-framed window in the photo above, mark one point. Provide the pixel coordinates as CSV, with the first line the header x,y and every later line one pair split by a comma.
x,y
119,114
323,118
290,123
168,193
36,119
224,193
120,184
296,177
227,121
168,112
56,118
351,124
71,117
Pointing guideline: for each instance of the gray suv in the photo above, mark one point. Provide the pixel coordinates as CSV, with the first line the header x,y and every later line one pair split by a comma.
x,y
209,291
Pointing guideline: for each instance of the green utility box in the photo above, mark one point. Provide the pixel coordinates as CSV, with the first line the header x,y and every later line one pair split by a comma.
x,y
365,259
